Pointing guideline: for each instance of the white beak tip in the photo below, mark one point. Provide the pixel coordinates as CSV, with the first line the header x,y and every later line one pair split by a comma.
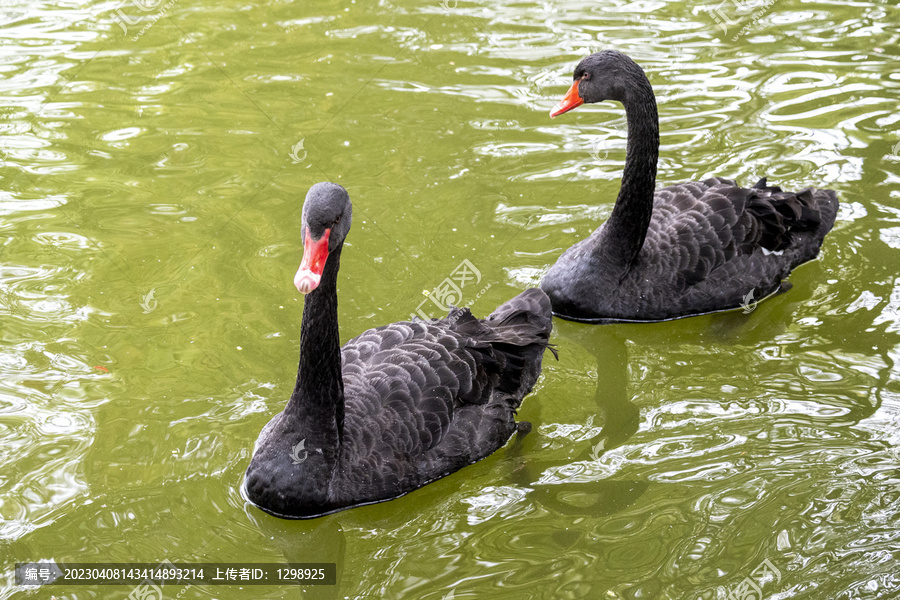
x,y
306,281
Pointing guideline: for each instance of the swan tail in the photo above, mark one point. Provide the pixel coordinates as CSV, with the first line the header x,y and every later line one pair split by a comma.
x,y
826,202
509,345
524,320
781,215
521,332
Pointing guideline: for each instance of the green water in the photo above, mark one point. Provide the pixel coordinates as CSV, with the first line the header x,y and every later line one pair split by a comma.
x,y
667,460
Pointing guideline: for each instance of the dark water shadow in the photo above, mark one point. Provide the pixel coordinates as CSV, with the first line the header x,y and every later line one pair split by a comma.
x,y
617,416
308,541
616,351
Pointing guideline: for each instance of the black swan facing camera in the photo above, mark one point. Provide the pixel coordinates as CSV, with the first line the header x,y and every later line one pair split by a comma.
x,y
398,406
686,249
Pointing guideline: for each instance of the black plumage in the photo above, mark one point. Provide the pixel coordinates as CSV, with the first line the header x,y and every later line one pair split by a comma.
x,y
398,406
686,249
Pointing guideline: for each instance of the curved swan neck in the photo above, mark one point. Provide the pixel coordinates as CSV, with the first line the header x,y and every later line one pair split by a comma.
x,y
318,397
627,226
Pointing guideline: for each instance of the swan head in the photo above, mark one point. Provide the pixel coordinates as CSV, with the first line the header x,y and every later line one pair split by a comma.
x,y
327,214
606,75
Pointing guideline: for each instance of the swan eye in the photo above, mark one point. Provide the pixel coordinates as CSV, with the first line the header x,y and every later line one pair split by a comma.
x,y
586,76
338,220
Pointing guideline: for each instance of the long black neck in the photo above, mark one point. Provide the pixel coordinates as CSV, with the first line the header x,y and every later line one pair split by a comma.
x,y
318,398
627,226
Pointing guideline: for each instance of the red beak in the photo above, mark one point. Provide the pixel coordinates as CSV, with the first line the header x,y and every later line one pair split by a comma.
x,y
570,101
315,253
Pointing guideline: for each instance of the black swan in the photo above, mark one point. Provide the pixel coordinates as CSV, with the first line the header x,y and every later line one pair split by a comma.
x,y
398,406
687,249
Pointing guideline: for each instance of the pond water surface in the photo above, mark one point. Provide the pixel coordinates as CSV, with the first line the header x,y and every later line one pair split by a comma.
x,y
153,167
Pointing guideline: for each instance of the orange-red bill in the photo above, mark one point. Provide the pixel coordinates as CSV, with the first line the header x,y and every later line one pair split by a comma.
x,y
570,100
315,253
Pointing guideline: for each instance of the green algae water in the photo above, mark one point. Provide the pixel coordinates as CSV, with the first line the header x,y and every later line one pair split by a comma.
x,y
154,157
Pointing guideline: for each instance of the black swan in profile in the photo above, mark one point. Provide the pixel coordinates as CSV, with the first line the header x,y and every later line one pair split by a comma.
x,y
398,406
687,249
